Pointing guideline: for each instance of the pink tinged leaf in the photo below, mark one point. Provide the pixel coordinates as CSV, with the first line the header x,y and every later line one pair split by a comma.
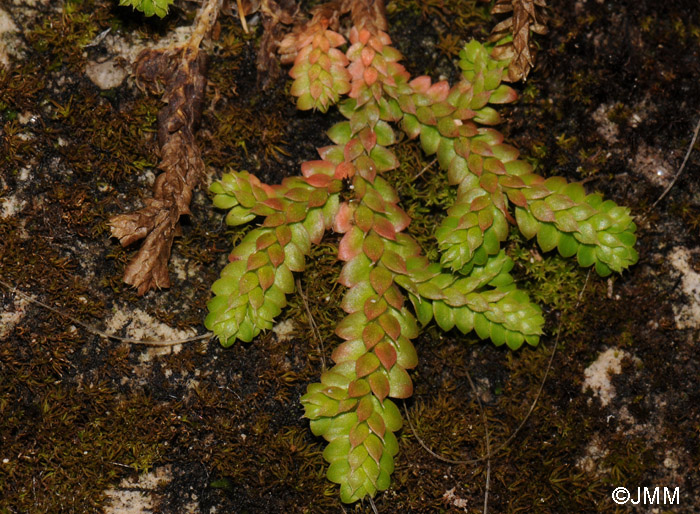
x,y
426,116
276,255
360,431
256,260
489,182
356,70
397,217
485,219
274,203
298,194
265,240
364,218
352,243
476,164
374,307
310,168
494,165
542,212
390,325
371,335
295,212
386,353
364,410
317,198
511,181
480,202
355,271
343,220
517,197
367,55
559,202
370,76
348,351
323,44
274,220
352,149
377,425
372,246
482,148
384,228
499,200
334,38
394,298
359,388
366,365
266,277
407,106
319,181
284,235
380,387
247,283
462,147
373,200
366,168
506,153
381,279
400,385
344,170
368,138
314,72
373,444
438,92
346,405
420,84
363,36
394,262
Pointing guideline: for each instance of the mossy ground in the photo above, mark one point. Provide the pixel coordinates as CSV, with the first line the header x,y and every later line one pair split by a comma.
x,y
78,413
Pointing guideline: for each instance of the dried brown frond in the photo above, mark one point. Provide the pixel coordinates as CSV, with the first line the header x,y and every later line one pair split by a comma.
x,y
523,20
179,73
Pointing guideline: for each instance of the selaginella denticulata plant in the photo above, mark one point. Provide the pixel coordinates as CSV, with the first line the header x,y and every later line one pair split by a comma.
x,y
470,288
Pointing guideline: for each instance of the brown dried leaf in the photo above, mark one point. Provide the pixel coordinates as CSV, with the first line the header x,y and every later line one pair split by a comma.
x,y
275,14
179,73
524,19
369,14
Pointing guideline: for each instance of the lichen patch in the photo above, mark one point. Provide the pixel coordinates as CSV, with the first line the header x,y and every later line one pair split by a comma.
x,y
140,325
141,495
687,315
9,40
597,375
11,316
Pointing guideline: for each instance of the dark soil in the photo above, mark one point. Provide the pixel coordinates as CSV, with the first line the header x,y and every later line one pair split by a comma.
x,y
613,101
